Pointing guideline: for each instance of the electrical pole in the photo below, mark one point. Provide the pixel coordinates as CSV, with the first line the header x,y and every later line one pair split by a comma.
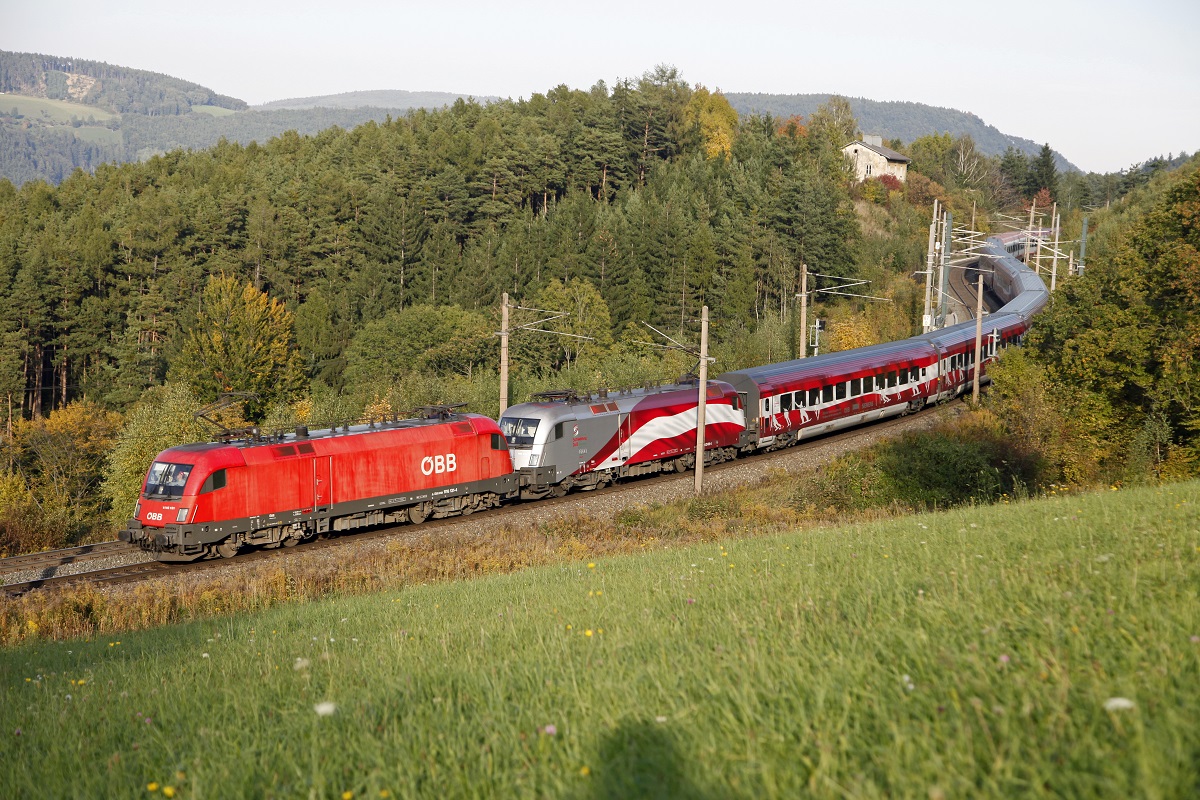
x,y
702,400
978,338
927,316
1054,260
503,353
803,309
944,269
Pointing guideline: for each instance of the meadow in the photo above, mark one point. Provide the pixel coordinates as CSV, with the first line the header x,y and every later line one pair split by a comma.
x,y
1044,648
53,111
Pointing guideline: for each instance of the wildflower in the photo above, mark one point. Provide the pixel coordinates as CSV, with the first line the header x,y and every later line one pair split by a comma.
x,y
325,709
1196,640
152,787
301,663
1119,704
347,795
588,632
168,791
908,683
660,719
204,655
17,732
692,601
591,565
584,771
550,730
384,793
1004,659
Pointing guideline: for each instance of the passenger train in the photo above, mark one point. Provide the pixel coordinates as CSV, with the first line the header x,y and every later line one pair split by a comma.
x,y
215,499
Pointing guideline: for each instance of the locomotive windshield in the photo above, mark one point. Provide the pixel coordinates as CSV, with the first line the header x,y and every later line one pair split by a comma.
x,y
166,481
519,431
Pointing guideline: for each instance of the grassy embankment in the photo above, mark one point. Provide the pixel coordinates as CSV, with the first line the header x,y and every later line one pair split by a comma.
x,y
967,653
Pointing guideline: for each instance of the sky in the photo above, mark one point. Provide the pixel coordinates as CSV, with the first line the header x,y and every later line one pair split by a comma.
x,y
1107,84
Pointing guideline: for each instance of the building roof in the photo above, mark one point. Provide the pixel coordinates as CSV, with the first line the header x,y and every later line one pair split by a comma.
x,y
888,153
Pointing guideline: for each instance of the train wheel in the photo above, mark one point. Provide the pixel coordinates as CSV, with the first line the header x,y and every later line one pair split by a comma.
x,y
227,549
558,490
291,541
418,514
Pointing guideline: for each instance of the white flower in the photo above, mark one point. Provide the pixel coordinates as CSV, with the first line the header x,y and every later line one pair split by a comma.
x,y
1119,704
660,719
324,709
301,663
204,655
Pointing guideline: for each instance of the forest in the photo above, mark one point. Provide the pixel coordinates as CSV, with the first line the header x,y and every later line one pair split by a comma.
x,y
358,272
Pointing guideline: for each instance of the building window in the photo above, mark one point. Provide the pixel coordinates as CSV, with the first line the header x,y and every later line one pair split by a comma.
x,y
868,169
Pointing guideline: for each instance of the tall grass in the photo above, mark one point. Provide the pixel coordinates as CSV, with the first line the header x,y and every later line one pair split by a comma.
x,y
968,653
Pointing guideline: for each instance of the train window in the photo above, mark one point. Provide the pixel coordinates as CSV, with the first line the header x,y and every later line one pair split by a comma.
x,y
798,400
826,394
814,398
856,387
305,449
165,481
785,402
213,482
903,377
735,402
766,403
841,390
284,452
868,384
557,433
880,382
498,442
519,431
891,379
916,374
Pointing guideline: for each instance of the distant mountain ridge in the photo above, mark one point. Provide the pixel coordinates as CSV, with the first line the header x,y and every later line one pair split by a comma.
x,y
896,120
106,86
378,98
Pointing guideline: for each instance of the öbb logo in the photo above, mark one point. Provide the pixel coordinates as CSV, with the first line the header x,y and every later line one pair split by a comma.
x,y
439,464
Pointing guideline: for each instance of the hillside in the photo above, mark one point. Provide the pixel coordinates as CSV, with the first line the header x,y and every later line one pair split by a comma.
x,y
897,120
378,99
106,86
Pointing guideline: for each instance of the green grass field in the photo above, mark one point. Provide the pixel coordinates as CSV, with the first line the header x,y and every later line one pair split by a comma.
x,y
215,111
56,111
963,654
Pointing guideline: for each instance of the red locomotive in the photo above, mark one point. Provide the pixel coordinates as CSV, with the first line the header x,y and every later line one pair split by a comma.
x,y
213,499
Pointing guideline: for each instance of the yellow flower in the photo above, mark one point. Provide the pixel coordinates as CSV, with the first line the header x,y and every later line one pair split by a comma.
x,y
384,793
180,776
591,565
599,593
168,791
347,795
151,787
584,771
588,632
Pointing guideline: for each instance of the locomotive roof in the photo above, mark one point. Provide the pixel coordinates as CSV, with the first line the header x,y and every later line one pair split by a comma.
x,y
302,434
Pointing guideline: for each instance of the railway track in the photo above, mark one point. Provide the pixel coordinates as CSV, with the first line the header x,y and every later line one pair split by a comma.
x,y
154,569
50,559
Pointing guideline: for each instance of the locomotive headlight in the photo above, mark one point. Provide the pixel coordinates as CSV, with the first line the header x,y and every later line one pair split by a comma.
x,y
182,515
533,460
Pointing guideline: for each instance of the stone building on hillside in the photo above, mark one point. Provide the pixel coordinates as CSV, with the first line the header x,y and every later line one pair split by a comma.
x,y
872,160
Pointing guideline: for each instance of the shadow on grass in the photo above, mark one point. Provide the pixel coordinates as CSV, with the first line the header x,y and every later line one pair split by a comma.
x,y
640,759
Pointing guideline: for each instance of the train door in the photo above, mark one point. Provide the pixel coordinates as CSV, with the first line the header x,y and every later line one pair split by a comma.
x,y
624,435
322,484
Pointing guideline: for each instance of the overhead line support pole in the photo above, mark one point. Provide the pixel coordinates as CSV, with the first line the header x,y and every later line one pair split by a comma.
x,y
978,339
803,310
702,400
503,353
